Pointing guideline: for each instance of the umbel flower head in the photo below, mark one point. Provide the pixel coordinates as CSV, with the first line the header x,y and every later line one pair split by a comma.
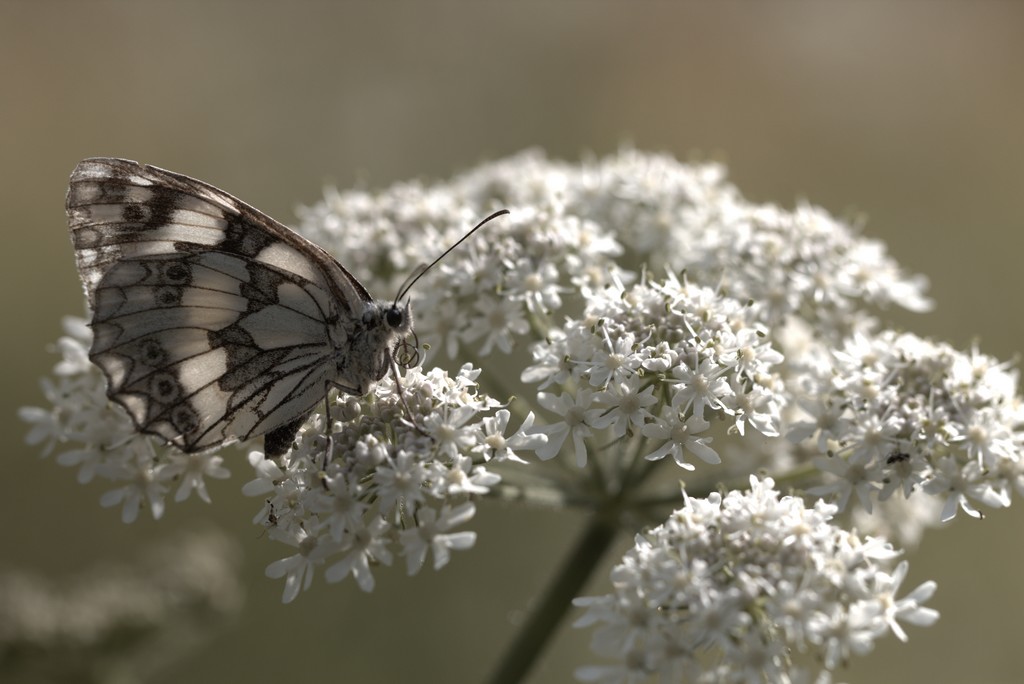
x,y
632,320
729,587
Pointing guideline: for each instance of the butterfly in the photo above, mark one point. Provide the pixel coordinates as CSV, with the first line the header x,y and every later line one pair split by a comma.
x,y
211,321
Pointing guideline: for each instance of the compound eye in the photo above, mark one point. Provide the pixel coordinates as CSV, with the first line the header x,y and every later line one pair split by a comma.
x,y
394,317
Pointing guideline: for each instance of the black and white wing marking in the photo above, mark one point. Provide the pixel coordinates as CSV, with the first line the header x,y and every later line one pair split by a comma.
x,y
213,322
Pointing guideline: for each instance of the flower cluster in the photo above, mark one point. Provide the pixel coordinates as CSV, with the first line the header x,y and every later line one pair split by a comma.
x,y
728,588
395,483
896,414
658,360
103,441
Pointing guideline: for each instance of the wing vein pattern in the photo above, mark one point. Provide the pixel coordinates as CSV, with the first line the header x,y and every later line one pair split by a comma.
x,y
212,322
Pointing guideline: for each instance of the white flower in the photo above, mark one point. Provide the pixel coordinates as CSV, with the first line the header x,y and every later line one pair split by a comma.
x,y
695,389
46,427
620,361
451,428
574,411
852,477
909,607
190,469
297,569
463,477
340,505
73,348
365,547
499,319
622,406
432,532
679,434
496,447
142,484
537,286
268,475
988,437
400,479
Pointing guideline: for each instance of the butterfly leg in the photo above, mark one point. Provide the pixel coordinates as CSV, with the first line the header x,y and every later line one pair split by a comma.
x,y
401,397
328,428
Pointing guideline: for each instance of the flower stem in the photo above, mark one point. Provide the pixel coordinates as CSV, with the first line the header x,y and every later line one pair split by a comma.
x,y
548,613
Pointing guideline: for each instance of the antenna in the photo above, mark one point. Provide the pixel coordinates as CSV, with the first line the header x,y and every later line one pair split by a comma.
x,y
420,270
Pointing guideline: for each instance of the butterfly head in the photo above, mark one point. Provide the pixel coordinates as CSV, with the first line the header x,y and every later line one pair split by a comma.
x,y
397,321
398,317
389,320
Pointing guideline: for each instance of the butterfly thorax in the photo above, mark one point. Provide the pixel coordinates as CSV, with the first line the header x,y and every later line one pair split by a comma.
x,y
365,347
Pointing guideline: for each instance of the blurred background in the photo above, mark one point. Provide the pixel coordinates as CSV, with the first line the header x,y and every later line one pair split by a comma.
x,y
911,113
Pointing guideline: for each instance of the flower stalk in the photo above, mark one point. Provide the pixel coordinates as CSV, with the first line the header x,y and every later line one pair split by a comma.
x,y
548,614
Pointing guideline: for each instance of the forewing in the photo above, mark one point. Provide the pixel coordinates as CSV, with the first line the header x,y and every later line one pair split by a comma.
x,y
211,320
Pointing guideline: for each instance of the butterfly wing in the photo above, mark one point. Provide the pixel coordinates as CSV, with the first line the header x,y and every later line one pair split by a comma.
x,y
212,322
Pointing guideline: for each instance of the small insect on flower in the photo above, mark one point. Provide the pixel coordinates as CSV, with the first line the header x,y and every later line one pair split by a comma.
x,y
897,456
214,323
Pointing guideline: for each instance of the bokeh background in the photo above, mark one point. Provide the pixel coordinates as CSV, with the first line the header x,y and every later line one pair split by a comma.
x,y
911,113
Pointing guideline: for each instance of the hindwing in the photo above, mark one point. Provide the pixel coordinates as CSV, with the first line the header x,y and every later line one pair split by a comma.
x,y
212,322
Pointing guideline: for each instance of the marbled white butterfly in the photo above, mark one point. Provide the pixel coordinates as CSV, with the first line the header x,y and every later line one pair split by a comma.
x,y
211,321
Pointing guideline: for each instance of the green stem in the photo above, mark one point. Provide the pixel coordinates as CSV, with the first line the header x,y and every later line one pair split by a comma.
x,y
546,616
